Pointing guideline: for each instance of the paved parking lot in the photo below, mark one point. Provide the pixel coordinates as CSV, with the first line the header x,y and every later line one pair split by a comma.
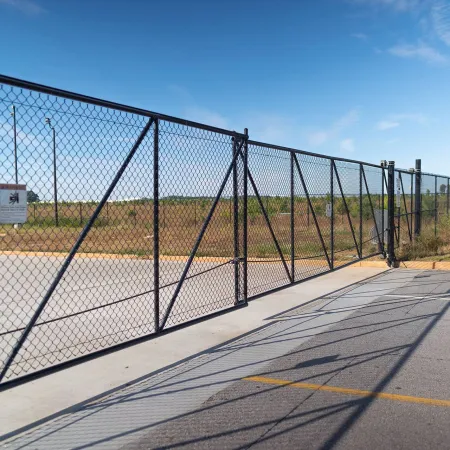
x,y
124,287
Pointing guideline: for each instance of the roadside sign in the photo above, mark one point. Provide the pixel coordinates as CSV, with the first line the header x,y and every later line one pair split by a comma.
x,y
13,203
328,210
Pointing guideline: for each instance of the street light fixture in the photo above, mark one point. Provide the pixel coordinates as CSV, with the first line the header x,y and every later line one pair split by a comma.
x,y
55,187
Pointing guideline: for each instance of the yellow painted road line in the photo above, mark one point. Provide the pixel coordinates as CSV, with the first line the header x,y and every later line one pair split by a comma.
x,y
356,392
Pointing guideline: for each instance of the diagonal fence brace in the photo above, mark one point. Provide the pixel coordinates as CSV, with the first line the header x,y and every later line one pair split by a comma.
x,y
408,216
266,218
316,223
347,210
371,205
200,236
74,250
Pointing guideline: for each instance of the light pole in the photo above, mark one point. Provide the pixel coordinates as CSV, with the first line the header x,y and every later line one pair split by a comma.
x,y
13,114
16,170
55,186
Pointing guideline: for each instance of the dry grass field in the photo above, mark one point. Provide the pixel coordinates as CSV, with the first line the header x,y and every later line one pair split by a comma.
x,y
126,228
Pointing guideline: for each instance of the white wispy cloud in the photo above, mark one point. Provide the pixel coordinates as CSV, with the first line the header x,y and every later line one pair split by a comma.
x,y
272,128
320,137
25,6
386,125
360,36
192,111
420,119
395,120
204,115
440,19
347,145
397,5
419,51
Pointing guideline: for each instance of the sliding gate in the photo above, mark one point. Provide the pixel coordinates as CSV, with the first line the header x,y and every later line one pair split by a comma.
x,y
309,214
139,223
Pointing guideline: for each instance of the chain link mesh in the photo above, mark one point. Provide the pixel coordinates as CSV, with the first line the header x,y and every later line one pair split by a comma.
x,y
138,223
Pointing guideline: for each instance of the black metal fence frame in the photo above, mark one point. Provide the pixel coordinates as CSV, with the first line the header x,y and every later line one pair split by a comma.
x,y
240,183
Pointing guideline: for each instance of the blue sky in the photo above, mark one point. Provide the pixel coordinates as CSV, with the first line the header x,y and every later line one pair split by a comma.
x,y
364,79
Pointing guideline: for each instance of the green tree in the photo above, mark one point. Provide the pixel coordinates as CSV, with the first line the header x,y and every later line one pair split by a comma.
x,y
32,197
443,188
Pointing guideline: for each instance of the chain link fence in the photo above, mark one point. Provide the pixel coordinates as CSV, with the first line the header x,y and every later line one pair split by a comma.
x,y
119,224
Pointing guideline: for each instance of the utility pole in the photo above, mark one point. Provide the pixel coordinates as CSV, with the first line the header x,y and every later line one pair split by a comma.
x,y
16,170
55,186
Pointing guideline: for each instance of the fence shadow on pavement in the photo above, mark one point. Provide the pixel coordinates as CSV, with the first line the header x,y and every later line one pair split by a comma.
x,y
134,412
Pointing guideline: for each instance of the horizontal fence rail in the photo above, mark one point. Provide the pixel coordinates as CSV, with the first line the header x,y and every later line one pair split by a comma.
x,y
119,224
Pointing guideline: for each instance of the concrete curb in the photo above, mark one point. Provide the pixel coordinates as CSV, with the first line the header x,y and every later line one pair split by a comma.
x,y
418,265
421,265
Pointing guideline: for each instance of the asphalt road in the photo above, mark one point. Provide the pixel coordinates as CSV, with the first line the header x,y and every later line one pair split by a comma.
x,y
366,367
397,345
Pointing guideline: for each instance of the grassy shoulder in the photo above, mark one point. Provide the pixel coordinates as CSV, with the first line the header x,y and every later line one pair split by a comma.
x,y
429,246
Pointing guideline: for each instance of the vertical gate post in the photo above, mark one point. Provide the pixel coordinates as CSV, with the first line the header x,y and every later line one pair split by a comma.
x,y
360,212
292,220
391,213
418,198
411,207
245,230
236,221
448,195
156,225
398,204
383,178
332,215
436,211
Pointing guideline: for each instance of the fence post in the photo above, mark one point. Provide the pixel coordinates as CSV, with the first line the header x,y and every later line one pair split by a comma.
x,y
332,215
235,221
411,206
156,225
418,198
360,213
436,212
448,195
292,220
383,177
245,231
391,212
398,193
